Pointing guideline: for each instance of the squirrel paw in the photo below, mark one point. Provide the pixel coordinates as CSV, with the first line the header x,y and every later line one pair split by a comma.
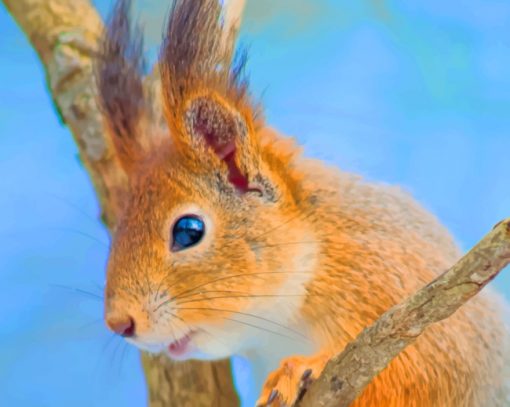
x,y
289,382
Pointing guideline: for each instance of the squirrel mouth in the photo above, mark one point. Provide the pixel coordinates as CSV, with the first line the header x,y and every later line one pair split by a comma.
x,y
180,347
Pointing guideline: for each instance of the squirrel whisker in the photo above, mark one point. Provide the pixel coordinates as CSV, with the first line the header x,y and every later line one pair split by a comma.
x,y
209,292
244,296
80,233
287,244
262,329
249,315
303,216
232,297
79,291
236,276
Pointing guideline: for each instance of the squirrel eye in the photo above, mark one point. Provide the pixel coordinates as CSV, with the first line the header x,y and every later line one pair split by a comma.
x,y
187,232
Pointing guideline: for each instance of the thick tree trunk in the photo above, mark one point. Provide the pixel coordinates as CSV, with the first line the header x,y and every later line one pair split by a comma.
x,y
64,33
207,384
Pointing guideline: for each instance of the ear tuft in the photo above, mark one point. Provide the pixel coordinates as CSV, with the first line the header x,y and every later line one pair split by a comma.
x,y
206,97
199,76
119,71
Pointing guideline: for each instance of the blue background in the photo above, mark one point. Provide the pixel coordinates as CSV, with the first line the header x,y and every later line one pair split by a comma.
x,y
414,93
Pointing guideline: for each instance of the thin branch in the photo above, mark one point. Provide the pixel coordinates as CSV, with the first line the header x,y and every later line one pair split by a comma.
x,y
347,374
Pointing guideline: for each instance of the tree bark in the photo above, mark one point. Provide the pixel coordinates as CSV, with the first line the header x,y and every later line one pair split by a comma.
x,y
64,33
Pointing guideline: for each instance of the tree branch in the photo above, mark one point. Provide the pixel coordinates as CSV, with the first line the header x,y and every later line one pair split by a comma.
x,y
347,374
64,33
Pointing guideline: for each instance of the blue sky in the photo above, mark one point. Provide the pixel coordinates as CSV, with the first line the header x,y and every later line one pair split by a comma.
x,y
409,93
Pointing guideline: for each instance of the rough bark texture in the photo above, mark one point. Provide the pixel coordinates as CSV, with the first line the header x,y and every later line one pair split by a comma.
x,y
207,384
64,33
347,374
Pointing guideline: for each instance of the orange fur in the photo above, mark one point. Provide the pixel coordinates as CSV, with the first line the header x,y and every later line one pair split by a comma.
x,y
308,251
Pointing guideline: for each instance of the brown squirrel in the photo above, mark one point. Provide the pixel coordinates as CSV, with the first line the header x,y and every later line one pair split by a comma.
x,y
231,242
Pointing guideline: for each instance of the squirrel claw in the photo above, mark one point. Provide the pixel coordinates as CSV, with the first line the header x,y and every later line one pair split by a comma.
x,y
304,384
272,397
287,385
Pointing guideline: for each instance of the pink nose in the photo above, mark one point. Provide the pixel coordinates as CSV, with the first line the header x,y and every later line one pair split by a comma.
x,y
122,325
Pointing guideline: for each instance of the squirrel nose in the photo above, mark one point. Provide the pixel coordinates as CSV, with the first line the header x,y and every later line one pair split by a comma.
x,y
122,325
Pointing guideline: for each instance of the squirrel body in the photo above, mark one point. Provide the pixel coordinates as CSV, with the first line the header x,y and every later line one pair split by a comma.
x,y
231,242
379,244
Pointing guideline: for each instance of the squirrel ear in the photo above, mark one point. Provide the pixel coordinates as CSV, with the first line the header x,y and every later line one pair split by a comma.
x,y
210,121
205,91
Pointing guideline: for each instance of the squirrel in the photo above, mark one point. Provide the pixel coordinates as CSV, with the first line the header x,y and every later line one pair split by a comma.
x,y
231,242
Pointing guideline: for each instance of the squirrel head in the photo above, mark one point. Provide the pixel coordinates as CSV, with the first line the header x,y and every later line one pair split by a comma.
x,y
213,236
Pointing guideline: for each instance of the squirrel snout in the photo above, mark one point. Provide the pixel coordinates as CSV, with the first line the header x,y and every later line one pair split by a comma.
x,y
123,325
